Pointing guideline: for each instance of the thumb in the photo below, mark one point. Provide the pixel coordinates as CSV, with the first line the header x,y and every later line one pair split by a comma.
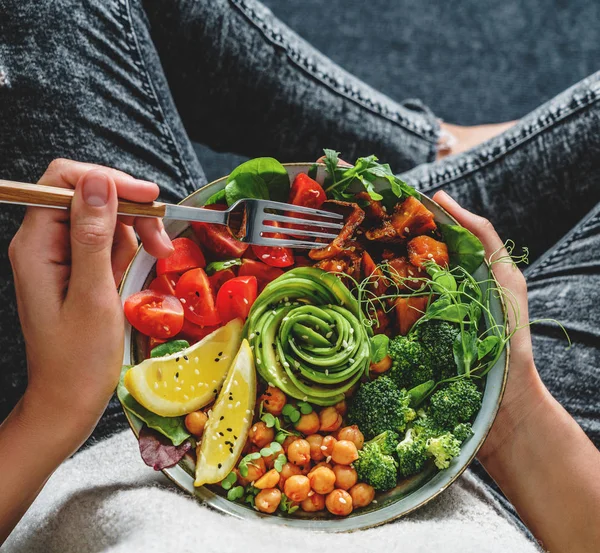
x,y
93,221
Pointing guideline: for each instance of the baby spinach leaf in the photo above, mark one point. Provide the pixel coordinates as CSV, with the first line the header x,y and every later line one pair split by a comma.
x,y
262,177
464,247
170,427
215,266
444,309
443,279
216,198
173,346
379,347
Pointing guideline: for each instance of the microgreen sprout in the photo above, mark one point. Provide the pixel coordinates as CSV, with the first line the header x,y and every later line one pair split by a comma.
x,y
229,481
235,493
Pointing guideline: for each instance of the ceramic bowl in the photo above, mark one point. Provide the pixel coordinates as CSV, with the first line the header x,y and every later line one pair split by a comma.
x,y
409,495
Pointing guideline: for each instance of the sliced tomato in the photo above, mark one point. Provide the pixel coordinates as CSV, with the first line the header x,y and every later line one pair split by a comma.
x,y
263,273
425,248
218,239
195,293
409,311
194,333
235,298
165,283
154,314
187,255
307,192
219,278
276,256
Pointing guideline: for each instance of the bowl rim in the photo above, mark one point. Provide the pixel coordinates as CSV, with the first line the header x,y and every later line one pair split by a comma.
x,y
316,522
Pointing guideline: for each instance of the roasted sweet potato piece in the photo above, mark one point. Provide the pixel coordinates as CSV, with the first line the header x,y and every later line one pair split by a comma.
x,y
402,271
353,217
378,283
425,248
383,233
411,218
374,209
409,311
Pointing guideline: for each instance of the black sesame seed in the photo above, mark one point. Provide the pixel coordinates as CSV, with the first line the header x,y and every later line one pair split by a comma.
x,y
222,417
257,333
219,465
229,430
220,353
234,437
177,359
215,391
176,375
197,293
216,359
186,357
231,450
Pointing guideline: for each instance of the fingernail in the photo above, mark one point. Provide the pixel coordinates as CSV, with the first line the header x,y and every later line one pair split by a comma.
x,y
165,238
95,189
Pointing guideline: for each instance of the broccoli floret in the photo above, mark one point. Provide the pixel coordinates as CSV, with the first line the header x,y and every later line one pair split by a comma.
x,y
411,363
443,448
454,404
437,338
412,453
378,406
463,431
375,465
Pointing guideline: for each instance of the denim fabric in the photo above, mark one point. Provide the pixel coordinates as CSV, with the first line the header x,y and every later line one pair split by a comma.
x,y
126,84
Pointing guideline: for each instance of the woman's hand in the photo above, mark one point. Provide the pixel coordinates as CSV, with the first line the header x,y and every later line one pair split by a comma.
x,y
67,266
539,456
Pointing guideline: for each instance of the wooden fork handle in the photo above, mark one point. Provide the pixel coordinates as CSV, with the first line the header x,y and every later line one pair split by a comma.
x,y
51,196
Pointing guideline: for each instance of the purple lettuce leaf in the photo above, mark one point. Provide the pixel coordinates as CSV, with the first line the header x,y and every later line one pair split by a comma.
x,y
158,451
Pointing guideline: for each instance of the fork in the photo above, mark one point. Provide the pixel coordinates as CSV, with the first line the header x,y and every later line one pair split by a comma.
x,y
255,215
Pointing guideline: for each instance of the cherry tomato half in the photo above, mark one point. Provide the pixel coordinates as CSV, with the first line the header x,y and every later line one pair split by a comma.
x,y
218,239
307,192
263,273
235,298
194,333
219,278
276,256
165,283
194,291
187,255
154,314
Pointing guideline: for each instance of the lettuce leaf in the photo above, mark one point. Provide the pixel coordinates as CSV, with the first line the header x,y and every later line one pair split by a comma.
x,y
157,452
172,428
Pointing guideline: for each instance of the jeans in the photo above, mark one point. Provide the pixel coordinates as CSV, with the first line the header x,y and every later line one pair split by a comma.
x,y
129,83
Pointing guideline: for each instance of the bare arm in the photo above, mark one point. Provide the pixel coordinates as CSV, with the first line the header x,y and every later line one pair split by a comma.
x,y
539,456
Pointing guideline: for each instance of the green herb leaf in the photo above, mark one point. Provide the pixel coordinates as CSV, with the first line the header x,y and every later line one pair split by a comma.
x,y
235,493
275,447
269,420
312,172
465,249
168,348
262,177
215,266
288,408
171,427
229,481
279,462
444,309
443,280
487,345
295,416
465,351
280,437
266,452
379,347
305,408
420,392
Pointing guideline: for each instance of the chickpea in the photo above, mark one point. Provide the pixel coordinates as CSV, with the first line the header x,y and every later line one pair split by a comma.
x,y
308,424
297,487
313,503
339,502
256,468
195,423
327,446
341,407
353,434
267,500
330,419
273,400
260,435
362,494
321,464
286,443
316,441
299,452
344,452
381,366
322,480
268,480
289,469
345,476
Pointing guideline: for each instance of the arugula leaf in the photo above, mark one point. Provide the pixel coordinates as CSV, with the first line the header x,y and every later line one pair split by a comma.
x,y
215,266
379,347
168,348
170,427
262,177
465,249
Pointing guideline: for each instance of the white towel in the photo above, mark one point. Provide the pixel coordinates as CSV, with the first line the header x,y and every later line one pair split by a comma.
x,y
105,500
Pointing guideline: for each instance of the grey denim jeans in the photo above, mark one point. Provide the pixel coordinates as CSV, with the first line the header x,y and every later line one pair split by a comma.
x,y
129,83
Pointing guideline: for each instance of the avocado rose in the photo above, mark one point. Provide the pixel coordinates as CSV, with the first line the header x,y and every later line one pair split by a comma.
x,y
308,337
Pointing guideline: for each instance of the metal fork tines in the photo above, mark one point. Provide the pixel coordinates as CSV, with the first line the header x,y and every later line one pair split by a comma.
x,y
260,212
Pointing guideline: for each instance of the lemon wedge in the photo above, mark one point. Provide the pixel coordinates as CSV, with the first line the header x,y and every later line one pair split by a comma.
x,y
228,422
185,381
